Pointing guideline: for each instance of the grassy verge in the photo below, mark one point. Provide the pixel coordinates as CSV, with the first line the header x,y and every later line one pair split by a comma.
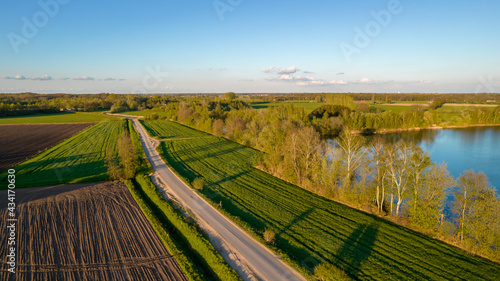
x,y
136,141
77,159
310,229
192,250
58,118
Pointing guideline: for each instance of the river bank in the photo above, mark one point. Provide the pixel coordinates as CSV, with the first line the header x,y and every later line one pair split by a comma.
x,y
389,131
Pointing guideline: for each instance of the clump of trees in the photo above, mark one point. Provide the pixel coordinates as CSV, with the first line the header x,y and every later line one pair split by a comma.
x,y
269,236
125,163
329,272
229,96
198,183
331,110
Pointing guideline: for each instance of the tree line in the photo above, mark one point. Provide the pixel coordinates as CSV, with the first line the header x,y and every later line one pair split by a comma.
x,y
30,103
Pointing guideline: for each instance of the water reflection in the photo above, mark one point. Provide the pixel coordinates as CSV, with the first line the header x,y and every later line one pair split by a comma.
x,y
476,148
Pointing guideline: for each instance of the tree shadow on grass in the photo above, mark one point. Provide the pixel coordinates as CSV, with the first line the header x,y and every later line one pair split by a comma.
x,y
30,174
357,249
296,220
200,156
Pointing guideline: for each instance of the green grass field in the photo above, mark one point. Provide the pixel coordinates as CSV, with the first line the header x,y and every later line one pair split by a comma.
x,y
309,106
162,129
57,118
77,159
311,229
394,108
144,113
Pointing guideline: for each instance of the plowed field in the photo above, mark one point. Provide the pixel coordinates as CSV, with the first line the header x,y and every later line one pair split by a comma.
x,y
84,232
19,142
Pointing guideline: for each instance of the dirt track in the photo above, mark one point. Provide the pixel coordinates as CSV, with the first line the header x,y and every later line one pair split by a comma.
x,y
84,232
19,142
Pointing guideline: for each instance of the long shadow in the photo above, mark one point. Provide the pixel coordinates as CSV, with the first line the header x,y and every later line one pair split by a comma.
x,y
217,153
357,248
297,219
226,179
79,172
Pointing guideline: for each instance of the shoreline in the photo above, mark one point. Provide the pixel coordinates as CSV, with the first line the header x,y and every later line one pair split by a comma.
x,y
388,131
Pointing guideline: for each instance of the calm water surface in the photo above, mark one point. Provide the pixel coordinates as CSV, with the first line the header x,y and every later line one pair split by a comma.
x,y
462,149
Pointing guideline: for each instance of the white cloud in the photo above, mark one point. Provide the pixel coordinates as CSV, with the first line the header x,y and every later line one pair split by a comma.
x,y
340,73
41,78
269,69
112,79
307,80
17,77
34,78
84,78
340,82
287,75
365,80
289,70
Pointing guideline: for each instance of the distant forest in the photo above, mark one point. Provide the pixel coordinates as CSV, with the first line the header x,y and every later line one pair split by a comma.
x,y
32,103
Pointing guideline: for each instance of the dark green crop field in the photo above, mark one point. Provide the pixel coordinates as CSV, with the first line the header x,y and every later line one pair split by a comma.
x,y
310,229
169,130
77,159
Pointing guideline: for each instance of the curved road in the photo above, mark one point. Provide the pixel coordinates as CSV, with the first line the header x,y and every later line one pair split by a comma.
x,y
263,263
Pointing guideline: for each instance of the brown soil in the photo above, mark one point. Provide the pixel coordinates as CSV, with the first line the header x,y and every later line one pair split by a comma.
x,y
20,142
84,232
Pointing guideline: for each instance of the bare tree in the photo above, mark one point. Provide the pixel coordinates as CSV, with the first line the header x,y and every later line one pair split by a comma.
x,y
351,146
398,163
302,152
420,161
377,153
470,185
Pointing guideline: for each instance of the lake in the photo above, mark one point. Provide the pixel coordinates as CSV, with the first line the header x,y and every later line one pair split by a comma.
x,y
476,148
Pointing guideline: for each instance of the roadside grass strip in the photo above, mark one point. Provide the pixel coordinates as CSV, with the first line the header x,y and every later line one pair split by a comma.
x,y
197,257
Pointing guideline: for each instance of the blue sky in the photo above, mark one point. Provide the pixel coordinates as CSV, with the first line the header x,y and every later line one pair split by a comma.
x,y
195,46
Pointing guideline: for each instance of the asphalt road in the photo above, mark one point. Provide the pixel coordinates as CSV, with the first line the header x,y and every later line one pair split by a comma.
x,y
263,262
